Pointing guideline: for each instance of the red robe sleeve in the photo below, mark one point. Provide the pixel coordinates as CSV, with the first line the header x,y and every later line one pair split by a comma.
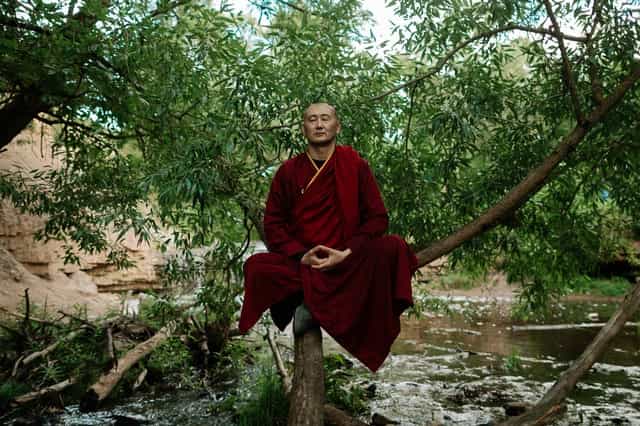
x,y
277,220
374,219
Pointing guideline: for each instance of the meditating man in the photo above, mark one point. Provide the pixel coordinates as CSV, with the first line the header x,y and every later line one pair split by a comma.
x,y
328,259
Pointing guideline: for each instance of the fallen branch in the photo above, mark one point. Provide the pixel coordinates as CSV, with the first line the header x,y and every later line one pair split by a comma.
x,y
76,318
282,370
567,326
20,316
140,380
52,347
107,382
28,397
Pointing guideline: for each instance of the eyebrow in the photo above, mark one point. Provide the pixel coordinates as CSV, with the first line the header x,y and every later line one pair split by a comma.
x,y
315,115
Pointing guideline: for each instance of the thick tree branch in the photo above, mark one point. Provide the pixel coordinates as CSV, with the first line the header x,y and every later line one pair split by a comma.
x,y
57,388
46,351
532,183
282,370
567,381
293,6
168,8
566,65
485,34
16,115
596,85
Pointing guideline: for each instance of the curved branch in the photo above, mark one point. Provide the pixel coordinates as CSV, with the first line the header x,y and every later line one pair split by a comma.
x,y
566,66
532,183
83,127
485,34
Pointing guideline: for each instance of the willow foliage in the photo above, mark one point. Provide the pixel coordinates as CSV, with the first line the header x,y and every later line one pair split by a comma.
x,y
183,110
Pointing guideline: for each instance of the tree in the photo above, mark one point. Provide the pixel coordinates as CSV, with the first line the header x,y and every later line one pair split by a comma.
x,y
497,117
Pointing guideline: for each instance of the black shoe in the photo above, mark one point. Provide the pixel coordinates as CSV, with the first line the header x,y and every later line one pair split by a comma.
x,y
302,320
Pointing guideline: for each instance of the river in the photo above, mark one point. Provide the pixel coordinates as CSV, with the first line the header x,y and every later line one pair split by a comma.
x,y
458,368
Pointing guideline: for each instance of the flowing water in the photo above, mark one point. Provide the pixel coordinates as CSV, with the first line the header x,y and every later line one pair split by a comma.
x,y
461,369
454,369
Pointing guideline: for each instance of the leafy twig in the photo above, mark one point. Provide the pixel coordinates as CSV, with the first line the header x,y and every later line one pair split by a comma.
x,y
566,65
485,34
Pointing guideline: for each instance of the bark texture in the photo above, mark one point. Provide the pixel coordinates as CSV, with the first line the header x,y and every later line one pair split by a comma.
x,y
54,389
307,397
107,382
567,381
16,115
336,417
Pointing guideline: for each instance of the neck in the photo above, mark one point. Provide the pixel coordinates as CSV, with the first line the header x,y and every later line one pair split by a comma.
x,y
321,151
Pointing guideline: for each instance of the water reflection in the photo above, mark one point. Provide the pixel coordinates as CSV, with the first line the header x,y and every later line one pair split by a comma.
x,y
461,368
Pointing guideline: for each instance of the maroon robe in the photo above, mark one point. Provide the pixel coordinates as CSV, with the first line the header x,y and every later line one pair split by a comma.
x,y
359,301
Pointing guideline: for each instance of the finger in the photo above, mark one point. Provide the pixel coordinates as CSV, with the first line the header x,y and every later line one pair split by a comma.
x,y
320,264
325,249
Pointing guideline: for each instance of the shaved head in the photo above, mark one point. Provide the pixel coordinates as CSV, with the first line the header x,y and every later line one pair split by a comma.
x,y
320,124
316,106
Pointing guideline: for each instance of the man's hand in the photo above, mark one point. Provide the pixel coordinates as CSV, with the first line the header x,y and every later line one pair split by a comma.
x,y
324,258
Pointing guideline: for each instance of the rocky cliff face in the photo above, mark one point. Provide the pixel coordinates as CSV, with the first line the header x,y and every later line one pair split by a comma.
x,y
32,150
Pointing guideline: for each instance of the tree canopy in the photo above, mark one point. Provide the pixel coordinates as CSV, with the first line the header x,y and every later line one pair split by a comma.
x,y
518,119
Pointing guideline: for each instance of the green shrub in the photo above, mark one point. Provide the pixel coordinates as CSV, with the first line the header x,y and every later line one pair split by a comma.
x,y
601,287
513,363
268,406
339,387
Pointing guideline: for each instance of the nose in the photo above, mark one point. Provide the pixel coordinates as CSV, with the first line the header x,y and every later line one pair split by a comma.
x,y
319,124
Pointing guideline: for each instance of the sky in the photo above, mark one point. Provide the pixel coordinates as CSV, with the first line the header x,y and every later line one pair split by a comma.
x,y
381,14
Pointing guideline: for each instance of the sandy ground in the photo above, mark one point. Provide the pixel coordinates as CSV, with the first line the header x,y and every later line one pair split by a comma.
x,y
496,287
62,291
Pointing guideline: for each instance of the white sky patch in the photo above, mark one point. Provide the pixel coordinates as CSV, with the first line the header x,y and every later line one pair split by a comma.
x,y
383,17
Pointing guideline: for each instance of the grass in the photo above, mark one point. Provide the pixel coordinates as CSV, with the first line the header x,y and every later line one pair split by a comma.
x,y
460,280
268,406
513,363
600,287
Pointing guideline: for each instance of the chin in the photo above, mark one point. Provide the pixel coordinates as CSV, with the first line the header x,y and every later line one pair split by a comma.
x,y
322,142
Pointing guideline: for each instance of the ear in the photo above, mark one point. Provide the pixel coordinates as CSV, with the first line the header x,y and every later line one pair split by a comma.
x,y
339,128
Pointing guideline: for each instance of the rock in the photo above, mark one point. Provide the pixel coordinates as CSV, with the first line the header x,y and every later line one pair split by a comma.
x,y
28,421
380,420
371,390
126,421
45,260
513,409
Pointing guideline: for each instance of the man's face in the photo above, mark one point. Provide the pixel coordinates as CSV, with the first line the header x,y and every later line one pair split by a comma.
x,y
320,124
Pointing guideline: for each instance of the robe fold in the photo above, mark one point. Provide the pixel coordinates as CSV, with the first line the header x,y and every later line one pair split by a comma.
x,y
359,301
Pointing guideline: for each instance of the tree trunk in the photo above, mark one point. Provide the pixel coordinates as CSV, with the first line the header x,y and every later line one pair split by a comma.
x,y
306,406
107,382
567,381
15,116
